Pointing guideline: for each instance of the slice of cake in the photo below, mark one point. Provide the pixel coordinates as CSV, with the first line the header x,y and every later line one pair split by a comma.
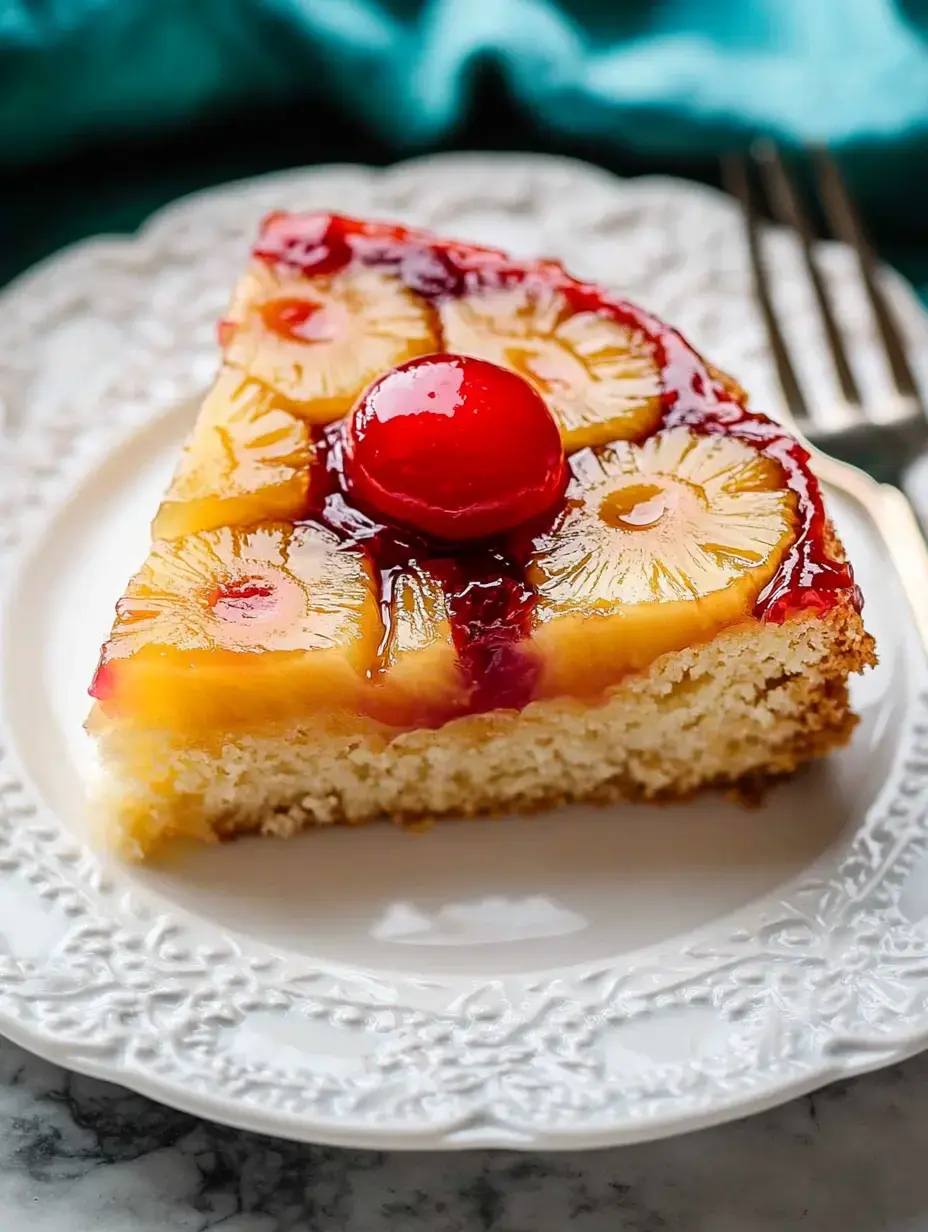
x,y
456,534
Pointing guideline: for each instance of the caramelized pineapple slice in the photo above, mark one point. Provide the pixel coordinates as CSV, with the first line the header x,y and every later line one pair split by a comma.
x,y
318,342
419,682
231,626
599,378
661,545
247,461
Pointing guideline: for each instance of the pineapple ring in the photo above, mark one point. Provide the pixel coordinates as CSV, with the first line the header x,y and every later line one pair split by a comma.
x,y
661,545
247,461
318,342
231,626
598,377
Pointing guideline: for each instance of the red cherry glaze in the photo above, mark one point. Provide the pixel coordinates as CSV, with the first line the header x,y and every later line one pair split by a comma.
x,y
315,243
297,319
490,609
243,599
103,686
456,447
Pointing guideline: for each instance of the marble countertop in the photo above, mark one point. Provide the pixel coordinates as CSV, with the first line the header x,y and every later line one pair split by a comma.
x,y
77,1155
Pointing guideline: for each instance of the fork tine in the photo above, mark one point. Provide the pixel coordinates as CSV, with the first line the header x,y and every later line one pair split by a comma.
x,y
847,226
737,179
789,210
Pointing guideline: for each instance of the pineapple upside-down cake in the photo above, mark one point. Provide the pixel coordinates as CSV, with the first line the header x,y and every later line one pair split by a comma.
x,y
457,534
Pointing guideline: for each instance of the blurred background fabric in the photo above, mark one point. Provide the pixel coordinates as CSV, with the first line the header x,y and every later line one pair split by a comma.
x,y
108,108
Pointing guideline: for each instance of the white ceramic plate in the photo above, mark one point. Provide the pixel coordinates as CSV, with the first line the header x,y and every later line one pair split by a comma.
x,y
581,978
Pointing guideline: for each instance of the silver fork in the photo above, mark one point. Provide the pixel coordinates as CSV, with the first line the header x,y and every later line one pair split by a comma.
x,y
891,436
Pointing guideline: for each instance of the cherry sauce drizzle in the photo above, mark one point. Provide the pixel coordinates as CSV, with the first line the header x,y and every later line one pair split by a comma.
x,y
488,602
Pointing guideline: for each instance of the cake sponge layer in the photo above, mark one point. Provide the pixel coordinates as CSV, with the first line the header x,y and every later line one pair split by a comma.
x,y
756,701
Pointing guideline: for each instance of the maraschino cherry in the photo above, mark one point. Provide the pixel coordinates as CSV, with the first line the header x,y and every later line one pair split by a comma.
x,y
454,446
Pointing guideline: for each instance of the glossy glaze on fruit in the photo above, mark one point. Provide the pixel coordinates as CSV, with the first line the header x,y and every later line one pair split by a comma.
x,y
440,269
489,592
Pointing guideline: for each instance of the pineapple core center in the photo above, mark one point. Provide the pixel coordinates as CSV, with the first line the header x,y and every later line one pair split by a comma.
x,y
243,599
302,320
635,507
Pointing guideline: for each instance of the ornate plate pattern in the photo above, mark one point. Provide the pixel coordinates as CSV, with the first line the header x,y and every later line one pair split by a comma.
x,y
826,975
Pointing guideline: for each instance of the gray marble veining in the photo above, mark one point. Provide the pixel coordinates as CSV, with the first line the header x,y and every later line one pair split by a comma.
x,y
77,1155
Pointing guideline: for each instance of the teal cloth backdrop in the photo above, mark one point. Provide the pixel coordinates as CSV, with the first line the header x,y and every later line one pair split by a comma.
x,y
673,79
